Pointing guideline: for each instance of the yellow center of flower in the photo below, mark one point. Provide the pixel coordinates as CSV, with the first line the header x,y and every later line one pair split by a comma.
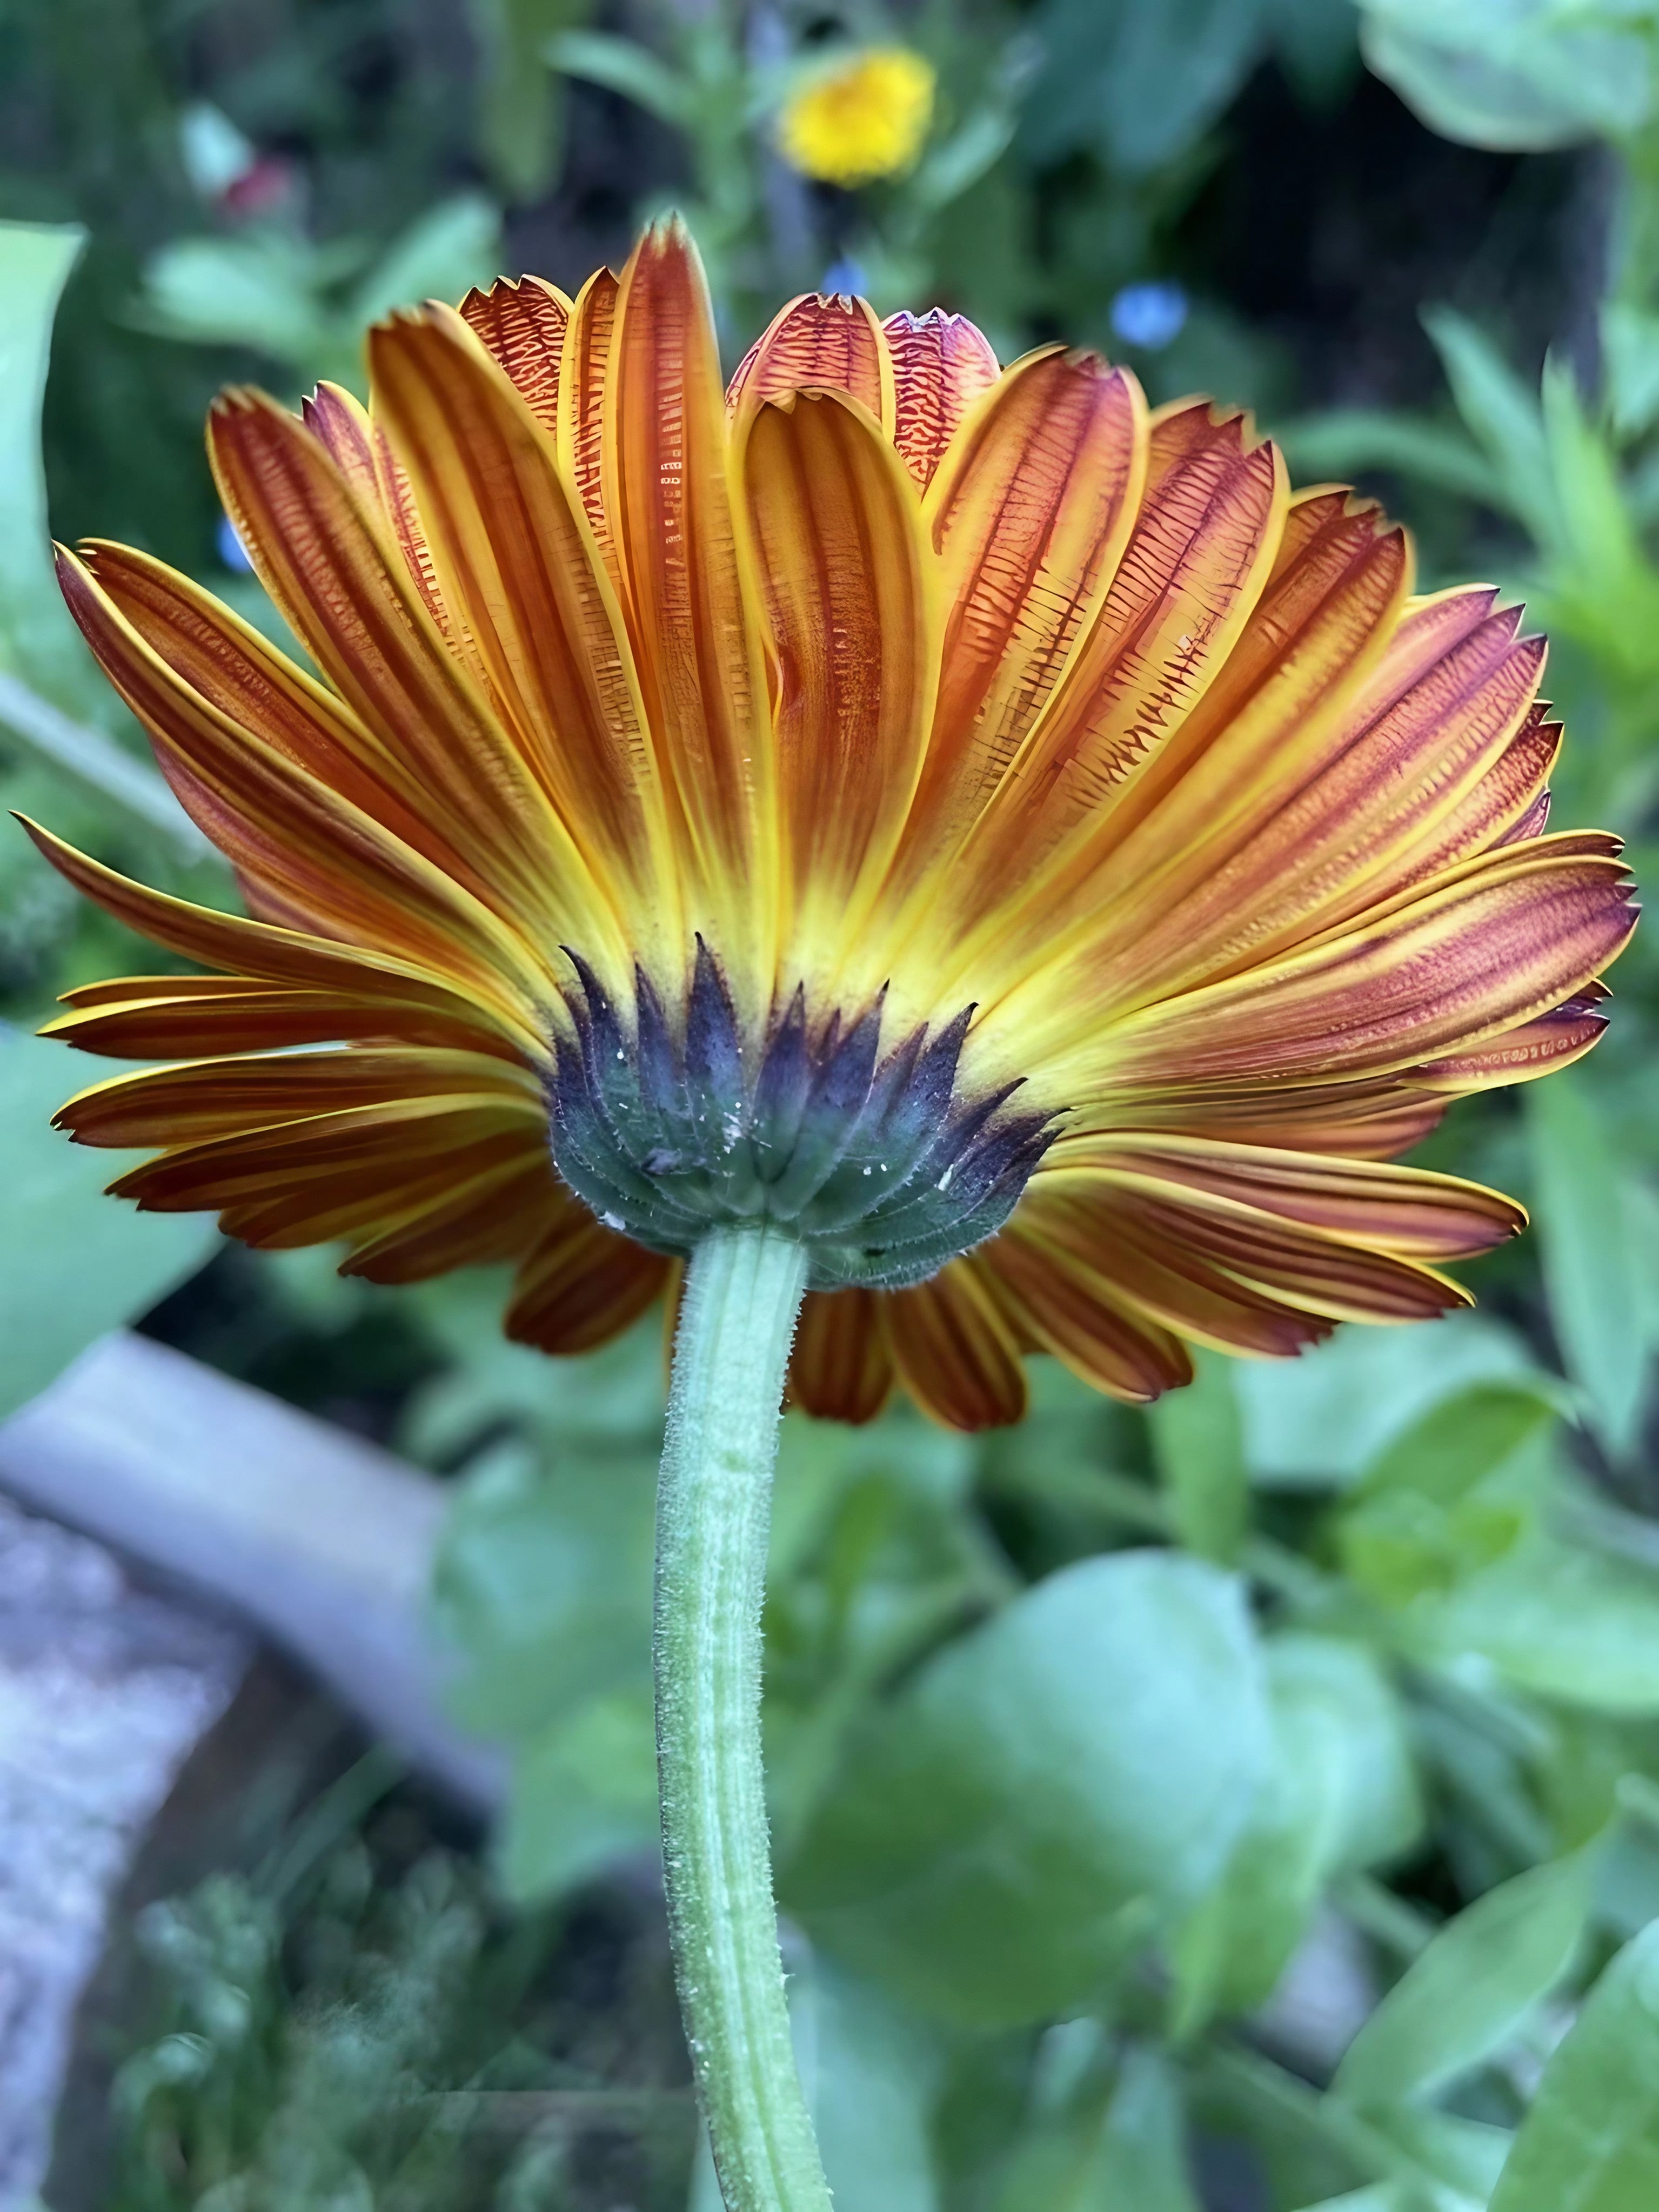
x,y
864,118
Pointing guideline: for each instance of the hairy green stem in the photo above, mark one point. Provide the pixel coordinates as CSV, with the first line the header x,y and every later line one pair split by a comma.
x,y
743,1295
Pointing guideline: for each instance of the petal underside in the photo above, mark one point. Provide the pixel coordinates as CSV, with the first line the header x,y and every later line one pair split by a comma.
x,y
914,689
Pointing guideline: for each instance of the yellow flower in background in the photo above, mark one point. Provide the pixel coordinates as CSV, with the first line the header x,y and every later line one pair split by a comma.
x,y
865,118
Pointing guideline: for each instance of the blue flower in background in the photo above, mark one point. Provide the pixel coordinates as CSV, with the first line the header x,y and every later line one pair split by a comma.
x,y
232,552
845,275
1148,315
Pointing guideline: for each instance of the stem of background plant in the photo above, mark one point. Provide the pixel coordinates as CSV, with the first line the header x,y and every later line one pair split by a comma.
x,y
742,1294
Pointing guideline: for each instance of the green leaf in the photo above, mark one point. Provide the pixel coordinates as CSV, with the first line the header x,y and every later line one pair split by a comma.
x,y
1556,1618
520,112
1630,349
38,641
1345,442
442,255
1141,83
1504,415
543,1584
621,65
872,2073
263,291
1327,1416
1464,1439
74,1264
1590,2141
584,1795
1592,1267
1342,1796
1199,1438
1125,2147
1515,77
1048,1792
1419,1520
1463,1998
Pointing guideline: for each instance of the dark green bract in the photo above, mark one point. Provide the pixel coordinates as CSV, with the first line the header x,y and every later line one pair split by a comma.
x,y
881,1167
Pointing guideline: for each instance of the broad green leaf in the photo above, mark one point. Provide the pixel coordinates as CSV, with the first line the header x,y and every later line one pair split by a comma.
x,y
1464,1439
543,1584
1327,1416
1139,83
1630,352
1461,2155
1557,1618
520,110
1590,2141
1463,1998
51,695
871,2072
584,1795
1503,413
1347,440
38,642
1199,1442
1046,1793
623,65
74,1264
1592,1267
1514,75
1420,1520
442,255
1342,1796
1384,2196
1126,2148
263,291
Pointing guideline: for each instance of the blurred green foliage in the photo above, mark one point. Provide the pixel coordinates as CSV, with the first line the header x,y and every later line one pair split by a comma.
x,y
1253,1804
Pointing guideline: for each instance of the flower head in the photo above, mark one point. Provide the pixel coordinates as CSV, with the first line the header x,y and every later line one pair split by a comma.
x,y
864,117
1002,836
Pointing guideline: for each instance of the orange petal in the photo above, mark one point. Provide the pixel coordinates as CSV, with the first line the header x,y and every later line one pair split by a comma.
x,y
1402,791
487,1221
182,1017
1205,540
1550,1040
842,1367
695,646
524,326
323,560
1241,1276
583,377
253,949
187,1105
358,448
350,1175
516,559
1029,519
942,364
1065,1305
323,859
1507,803
955,1353
580,1286
822,340
1411,1211
839,555
1371,1120
1444,968
225,663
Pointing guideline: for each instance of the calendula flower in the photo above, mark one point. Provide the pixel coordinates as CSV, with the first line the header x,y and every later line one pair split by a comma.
x,y
1000,838
935,841
862,117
